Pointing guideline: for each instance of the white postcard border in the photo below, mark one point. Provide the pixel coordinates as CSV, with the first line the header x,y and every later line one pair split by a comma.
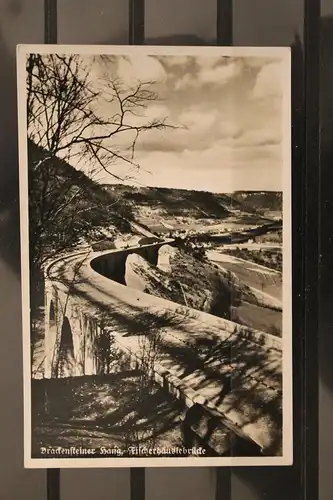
x,y
283,53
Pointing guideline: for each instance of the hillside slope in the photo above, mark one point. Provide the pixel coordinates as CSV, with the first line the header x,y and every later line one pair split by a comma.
x,y
182,277
188,279
168,209
67,208
175,202
259,200
197,204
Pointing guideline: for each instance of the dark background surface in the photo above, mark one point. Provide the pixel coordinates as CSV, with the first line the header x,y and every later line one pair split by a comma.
x,y
256,22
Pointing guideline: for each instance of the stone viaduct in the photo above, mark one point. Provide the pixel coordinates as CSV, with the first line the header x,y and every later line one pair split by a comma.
x,y
70,328
232,371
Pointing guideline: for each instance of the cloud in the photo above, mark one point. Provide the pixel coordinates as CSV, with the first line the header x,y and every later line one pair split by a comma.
x,y
229,112
185,82
219,75
142,68
210,74
198,120
173,61
186,169
258,137
229,127
198,129
157,111
257,62
255,154
268,83
212,61
219,168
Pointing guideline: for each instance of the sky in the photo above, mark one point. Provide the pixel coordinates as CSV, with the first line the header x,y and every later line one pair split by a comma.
x,y
227,117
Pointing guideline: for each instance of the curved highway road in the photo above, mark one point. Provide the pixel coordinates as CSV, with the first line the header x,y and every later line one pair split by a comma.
x,y
239,376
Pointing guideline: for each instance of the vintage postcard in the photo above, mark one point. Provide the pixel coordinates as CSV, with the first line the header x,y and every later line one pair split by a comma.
x,y
155,191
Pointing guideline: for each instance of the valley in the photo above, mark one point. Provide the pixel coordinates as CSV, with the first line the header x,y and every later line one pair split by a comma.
x,y
226,255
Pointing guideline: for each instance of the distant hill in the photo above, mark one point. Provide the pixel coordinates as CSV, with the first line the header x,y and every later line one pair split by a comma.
x,y
259,201
169,202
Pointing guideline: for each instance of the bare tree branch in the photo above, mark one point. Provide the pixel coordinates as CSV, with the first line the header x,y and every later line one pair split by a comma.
x,y
71,117
66,112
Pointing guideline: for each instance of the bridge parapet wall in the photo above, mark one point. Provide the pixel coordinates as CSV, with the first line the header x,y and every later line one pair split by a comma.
x,y
112,265
224,431
86,324
150,252
101,268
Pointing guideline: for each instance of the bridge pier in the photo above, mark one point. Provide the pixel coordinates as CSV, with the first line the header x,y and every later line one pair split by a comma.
x,y
78,340
53,323
89,335
64,335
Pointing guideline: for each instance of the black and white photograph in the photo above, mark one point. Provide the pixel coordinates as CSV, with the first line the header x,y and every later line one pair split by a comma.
x,y
155,202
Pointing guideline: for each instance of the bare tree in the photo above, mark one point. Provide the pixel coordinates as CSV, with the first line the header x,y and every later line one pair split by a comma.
x,y
64,111
68,120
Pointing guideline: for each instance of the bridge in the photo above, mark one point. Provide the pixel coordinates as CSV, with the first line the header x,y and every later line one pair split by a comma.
x,y
233,373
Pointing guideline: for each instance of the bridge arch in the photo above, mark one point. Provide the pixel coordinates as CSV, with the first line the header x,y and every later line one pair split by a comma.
x,y
74,350
52,320
66,360
51,334
52,314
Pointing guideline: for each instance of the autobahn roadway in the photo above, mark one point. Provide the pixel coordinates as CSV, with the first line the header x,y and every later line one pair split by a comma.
x,y
195,347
